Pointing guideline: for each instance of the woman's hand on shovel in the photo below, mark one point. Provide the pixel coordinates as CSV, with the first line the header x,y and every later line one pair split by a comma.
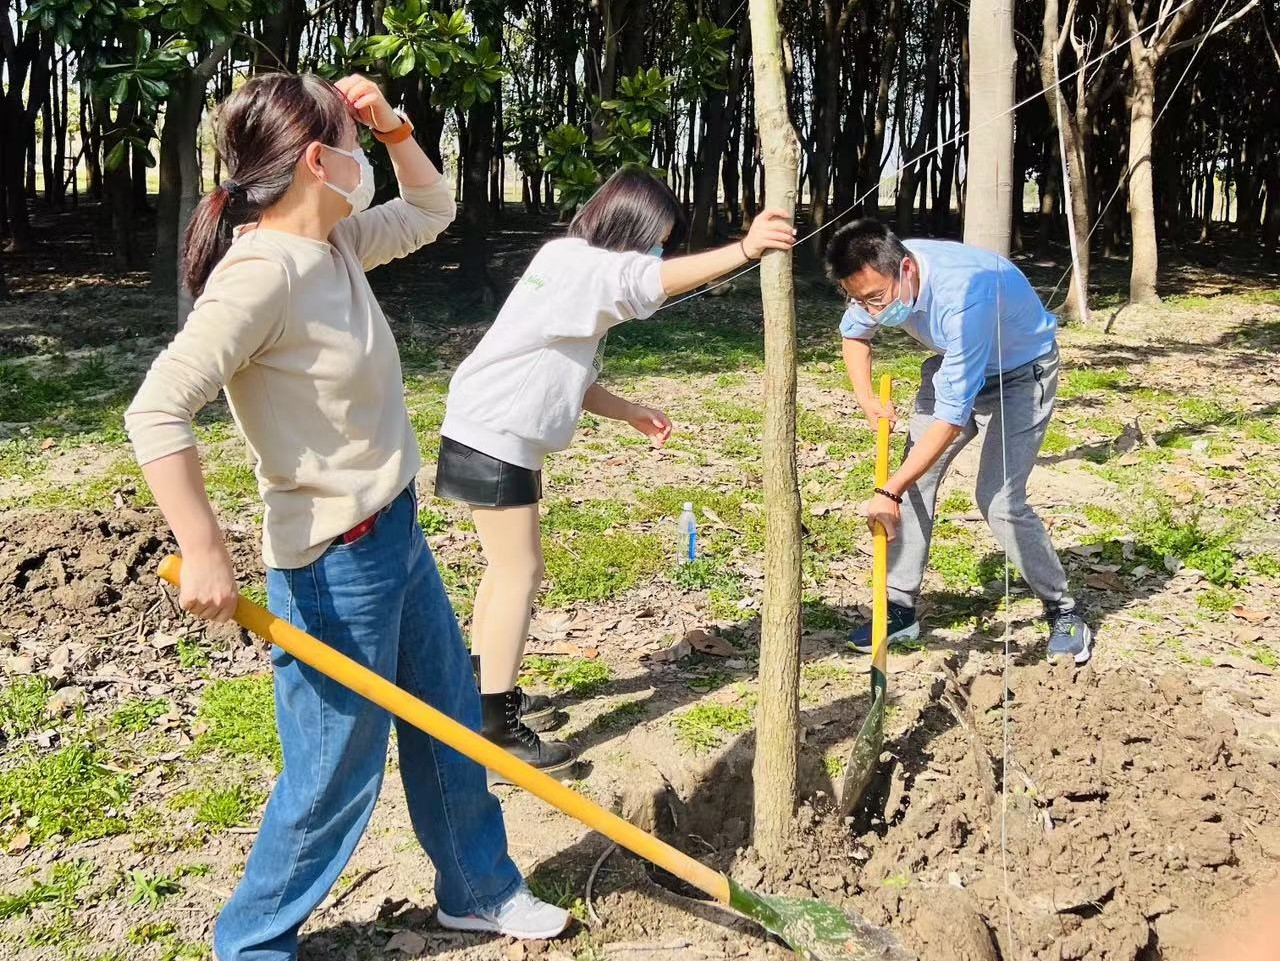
x,y
209,584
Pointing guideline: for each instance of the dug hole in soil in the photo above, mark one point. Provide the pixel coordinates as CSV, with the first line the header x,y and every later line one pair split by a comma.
x,y
1136,815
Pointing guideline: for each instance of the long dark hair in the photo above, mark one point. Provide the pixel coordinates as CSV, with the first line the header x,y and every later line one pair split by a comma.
x,y
634,210
262,130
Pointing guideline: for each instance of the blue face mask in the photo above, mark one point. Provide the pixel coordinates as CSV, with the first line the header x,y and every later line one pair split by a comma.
x,y
897,311
655,250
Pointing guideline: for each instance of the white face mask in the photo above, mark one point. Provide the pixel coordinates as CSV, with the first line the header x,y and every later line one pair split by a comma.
x,y
361,195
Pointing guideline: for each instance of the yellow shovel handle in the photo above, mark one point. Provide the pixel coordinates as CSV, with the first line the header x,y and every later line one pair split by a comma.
x,y
465,741
880,543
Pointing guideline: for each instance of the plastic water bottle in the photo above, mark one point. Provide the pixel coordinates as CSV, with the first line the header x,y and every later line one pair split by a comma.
x,y
688,525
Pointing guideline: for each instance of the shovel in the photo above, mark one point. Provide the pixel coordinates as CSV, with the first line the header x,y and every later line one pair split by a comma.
x,y
814,929
861,766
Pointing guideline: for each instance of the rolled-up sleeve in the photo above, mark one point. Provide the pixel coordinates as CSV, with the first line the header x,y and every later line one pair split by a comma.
x,y
241,310
397,228
856,324
971,332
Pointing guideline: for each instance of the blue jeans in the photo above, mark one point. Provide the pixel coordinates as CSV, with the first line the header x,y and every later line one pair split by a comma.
x,y
380,601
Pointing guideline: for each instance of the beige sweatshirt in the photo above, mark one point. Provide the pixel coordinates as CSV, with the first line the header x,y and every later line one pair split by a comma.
x,y
291,330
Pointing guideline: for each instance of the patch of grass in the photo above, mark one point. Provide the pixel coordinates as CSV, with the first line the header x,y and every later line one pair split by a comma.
x,y
65,397
1087,381
955,561
256,593
150,889
588,517
705,338
138,714
59,891
622,716
1209,551
239,718
69,792
817,615
729,412
813,428
705,726
1106,522
151,931
833,765
1263,431
231,483
824,671
1215,600
557,889
578,676
595,567
432,520
1265,565
20,459
222,808
1057,441
192,652
22,705
957,502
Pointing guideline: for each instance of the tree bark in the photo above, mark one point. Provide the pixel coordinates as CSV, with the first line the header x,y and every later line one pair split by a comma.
x,y
1142,211
778,725
989,187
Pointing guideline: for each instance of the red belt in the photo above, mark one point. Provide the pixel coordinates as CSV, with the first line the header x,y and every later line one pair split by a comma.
x,y
357,532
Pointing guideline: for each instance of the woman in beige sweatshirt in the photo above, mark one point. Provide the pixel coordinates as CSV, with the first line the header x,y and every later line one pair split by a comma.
x,y
286,324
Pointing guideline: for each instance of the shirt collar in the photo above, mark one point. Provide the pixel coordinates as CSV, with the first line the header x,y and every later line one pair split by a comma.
x,y
925,297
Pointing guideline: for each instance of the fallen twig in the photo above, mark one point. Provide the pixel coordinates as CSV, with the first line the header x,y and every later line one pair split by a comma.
x,y
591,880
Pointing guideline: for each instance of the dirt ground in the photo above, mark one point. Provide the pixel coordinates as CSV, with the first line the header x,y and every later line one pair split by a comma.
x,y
1142,792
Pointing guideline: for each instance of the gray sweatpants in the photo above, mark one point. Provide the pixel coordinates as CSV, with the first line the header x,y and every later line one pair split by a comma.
x,y
1029,393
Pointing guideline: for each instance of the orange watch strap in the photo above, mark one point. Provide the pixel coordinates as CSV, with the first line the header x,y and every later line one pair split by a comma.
x,y
398,135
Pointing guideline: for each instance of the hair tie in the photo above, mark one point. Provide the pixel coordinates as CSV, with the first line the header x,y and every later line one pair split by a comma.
x,y
233,188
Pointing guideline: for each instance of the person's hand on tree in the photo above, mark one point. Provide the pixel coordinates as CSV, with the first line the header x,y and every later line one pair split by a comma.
x,y
770,230
368,102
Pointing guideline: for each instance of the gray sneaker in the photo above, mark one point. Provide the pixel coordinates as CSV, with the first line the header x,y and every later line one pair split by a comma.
x,y
521,916
1069,636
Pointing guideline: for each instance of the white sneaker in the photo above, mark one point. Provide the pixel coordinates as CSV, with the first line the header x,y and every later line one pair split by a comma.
x,y
520,916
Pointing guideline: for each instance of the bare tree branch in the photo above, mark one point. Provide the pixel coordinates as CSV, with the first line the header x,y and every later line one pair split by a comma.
x,y
1222,25
1266,30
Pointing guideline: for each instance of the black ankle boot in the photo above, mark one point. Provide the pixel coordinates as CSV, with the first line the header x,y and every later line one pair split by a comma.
x,y
503,727
536,710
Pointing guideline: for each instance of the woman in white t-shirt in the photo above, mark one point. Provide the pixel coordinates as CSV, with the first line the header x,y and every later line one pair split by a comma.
x,y
520,394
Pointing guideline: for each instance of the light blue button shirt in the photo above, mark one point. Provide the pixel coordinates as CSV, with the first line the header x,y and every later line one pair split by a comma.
x,y
964,292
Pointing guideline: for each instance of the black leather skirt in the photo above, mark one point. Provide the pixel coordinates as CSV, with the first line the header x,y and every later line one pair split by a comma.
x,y
465,474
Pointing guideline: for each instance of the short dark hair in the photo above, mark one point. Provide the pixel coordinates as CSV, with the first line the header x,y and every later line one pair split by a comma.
x,y
864,243
634,210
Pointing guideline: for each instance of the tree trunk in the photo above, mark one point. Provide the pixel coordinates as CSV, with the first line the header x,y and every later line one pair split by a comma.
x,y
873,158
778,726
913,168
989,187
1142,211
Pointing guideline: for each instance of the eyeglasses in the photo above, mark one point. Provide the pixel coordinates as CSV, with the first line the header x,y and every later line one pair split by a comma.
x,y
877,303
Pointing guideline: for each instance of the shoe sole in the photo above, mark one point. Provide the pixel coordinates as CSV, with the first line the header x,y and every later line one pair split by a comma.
x,y
906,634
559,771
1083,656
481,926
542,721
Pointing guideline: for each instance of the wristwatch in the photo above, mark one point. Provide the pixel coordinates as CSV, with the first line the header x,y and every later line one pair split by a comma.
x,y
397,134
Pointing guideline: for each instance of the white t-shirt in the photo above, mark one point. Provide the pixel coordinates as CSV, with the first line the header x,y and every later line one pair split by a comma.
x,y
518,396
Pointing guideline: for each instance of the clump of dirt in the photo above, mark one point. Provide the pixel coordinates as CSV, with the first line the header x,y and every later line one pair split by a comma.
x,y
1134,816
81,599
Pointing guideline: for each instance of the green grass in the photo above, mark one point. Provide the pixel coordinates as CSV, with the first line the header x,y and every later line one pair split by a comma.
x,y
138,714
833,765
22,705
817,615
1057,441
432,520
1088,381
239,719
1211,552
1215,600
223,808
59,891
957,502
192,652
588,517
729,412
622,716
813,428
231,483
705,726
578,676
68,792
256,593
64,397
956,562
558,889
20,459
1265,565
1105,522
598,566
150,890
702,338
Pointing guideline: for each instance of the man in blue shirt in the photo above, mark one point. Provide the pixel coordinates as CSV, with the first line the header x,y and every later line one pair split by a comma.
x,y
993,376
